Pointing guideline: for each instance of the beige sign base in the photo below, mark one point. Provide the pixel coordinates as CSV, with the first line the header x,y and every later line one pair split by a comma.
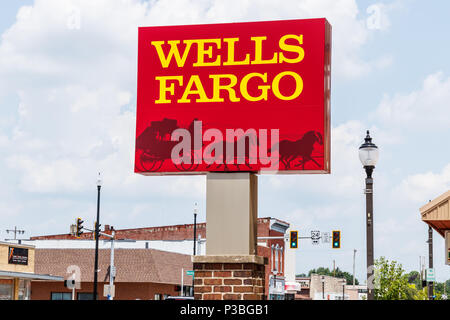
x,y
230,270
231,213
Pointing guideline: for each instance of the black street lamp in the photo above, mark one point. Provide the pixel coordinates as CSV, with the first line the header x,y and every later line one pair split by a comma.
x,y
368,154
195,242
97,233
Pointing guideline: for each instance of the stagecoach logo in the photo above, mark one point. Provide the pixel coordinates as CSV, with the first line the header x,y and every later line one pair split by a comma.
x,y
239,149
234,97
18,256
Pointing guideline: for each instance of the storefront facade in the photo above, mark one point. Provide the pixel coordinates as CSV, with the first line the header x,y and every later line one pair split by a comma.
x,y
17,271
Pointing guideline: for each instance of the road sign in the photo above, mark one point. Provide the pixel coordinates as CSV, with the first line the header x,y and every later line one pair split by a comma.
x,y
315,236
109,290
326,237
431,277
190,272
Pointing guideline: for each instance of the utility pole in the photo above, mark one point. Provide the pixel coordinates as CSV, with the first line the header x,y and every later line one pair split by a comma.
x,y
354,254
430,260
15,231
112,268
334,268
182,280
420,271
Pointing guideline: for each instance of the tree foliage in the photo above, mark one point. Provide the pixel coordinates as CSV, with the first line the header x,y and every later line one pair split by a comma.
x,y
391,282
337,273
394,284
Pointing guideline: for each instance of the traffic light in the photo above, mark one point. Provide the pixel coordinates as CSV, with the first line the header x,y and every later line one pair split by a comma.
x,y
293,240
79,227
336,239
95,229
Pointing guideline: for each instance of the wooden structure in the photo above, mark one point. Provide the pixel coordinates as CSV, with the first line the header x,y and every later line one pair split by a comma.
x,y
436,213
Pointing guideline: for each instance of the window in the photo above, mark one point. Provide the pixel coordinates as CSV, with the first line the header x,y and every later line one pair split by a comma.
x,y
282,260
157,296
61,296
6,289
24,289
272,255
85,296
277,252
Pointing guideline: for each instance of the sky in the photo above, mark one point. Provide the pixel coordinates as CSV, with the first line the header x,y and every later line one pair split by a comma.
x,y
68,106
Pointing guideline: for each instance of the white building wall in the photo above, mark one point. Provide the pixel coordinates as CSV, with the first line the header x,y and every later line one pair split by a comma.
x,y
181,246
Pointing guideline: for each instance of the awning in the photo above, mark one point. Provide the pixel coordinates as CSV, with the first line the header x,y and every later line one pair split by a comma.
x,y
436,213
31,276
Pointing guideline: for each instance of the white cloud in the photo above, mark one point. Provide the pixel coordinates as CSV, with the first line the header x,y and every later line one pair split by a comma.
x,y
73,67
423,109
421,187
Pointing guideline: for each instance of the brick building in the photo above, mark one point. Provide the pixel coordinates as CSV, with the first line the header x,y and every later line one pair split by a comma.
x,y
144,274
273,250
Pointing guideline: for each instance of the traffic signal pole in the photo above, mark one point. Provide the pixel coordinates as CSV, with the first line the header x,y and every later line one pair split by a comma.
x,y
430,261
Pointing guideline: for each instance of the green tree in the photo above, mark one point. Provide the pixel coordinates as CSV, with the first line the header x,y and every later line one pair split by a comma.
x,y
391,282
440,286
337,273
414,278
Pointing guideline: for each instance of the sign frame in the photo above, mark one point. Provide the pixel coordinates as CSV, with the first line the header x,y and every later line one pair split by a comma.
x,y
325,76
18,255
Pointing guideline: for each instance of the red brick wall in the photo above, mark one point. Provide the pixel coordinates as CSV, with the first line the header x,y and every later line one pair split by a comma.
x,y
176,232
229,281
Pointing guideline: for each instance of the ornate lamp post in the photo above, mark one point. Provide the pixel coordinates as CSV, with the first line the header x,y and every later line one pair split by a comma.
x,y
368,154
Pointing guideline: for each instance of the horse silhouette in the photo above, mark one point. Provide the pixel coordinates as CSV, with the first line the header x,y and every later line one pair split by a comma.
x,y
235,157
301,148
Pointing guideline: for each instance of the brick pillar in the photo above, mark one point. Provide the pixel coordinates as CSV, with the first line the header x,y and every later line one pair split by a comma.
x,y
229,277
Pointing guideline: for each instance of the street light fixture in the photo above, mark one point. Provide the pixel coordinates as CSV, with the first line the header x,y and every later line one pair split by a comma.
x,y
368,154
97,233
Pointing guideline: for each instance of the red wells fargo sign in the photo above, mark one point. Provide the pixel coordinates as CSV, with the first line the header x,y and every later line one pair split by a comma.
x,y
234,97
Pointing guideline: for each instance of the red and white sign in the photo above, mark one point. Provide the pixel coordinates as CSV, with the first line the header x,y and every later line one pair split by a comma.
x,y
234,97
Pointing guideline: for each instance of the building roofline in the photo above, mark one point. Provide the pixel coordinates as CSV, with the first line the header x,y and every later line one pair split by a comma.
x,y
32,276
435,202
28,246
271,220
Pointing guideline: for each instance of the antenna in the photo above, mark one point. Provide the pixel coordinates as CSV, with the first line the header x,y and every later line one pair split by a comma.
x,y
16,232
